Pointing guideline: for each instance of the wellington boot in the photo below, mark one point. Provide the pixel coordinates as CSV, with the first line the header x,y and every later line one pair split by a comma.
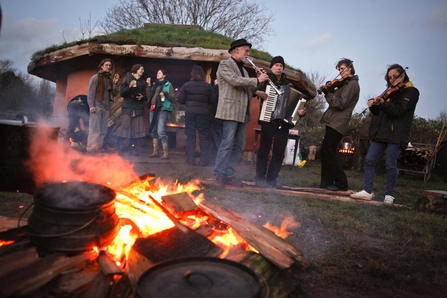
x,y
164,144
155,145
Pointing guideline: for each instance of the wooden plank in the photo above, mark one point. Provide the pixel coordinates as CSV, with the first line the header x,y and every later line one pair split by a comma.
x,y
138,264
272,247
7,223
79,278
436,193
303,191
18,260
108,267
180,203
100,287
39,273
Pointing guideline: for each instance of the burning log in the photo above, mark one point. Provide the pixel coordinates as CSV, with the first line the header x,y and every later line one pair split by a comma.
x,y
180,203
275,249
108,267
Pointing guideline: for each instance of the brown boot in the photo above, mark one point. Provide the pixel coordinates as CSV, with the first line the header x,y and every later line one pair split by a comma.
x,y
164,144
155,145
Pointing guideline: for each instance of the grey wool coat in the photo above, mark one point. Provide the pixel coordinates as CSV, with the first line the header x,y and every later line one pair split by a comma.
x,y
235,91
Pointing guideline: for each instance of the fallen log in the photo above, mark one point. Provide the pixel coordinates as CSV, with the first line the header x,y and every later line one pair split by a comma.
x,y
275,249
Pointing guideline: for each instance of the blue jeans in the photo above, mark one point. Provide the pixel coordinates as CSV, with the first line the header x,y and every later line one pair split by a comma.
x,y
159,129
392,154
231,147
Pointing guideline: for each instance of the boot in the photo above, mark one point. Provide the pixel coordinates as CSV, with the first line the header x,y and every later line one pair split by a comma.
x,y
155,144
164,144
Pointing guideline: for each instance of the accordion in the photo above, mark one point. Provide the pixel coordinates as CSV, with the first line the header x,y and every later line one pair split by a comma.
x,y
282,109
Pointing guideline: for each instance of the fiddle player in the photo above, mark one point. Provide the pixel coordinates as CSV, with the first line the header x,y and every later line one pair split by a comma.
x,y
342,96
390,130
267,173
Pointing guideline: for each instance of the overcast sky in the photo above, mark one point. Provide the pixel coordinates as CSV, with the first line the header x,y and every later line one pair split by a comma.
x,y
310,35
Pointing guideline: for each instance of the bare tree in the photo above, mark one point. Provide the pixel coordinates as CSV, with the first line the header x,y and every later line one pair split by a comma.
x,y
227,17
87,26
6,65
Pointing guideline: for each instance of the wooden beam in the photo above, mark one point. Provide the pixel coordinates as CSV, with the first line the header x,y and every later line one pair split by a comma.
x,y
275,249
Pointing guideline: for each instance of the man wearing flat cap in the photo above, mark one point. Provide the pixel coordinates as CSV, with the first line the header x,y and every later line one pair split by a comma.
x,y
235,92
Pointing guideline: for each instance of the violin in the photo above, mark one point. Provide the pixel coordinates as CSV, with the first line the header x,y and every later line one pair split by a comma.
x,y
335,83
394,88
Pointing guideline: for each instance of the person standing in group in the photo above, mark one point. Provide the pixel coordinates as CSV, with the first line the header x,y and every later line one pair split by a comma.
x,y
235,93
101,90
197,95
161,95
78,110
132,130
267,173
342,96
390,130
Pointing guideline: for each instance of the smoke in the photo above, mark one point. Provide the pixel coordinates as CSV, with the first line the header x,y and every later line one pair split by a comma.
x,y
51,161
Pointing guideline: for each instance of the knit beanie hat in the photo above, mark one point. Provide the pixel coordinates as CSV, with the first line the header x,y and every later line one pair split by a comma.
x,y
135,68
277,59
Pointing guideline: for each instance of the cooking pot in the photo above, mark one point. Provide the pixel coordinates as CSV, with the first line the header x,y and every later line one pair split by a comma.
x,y
73,216
198,277
346,143
15,139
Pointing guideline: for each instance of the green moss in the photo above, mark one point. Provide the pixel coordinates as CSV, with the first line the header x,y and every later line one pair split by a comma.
x,y
162,35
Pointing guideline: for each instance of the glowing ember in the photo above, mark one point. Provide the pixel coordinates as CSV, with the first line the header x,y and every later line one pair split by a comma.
x,y
4,243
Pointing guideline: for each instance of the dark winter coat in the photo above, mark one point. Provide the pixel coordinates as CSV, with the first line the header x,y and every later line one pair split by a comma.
x,y
197,95
394,117
341,102
131,105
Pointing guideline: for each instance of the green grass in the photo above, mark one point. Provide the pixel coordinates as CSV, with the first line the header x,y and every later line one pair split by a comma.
x,y
163,35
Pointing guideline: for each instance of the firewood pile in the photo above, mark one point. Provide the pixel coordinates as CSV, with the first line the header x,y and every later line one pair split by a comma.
x,y
29,270
416,158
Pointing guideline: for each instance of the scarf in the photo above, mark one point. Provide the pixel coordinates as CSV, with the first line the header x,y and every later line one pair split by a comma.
x,y
104,84
155,86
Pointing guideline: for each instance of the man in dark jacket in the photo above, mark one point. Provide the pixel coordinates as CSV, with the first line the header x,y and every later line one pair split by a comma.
x,y
342,98
78,110
197,95
390,130
272,133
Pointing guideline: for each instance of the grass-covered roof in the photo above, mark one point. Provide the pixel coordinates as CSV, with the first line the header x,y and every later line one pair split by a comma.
x,y
162,35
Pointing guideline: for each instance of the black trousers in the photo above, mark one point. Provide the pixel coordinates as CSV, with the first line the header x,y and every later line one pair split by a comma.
x,y
270,133
332,172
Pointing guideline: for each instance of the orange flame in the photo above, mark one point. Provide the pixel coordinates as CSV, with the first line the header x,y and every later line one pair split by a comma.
x,y
282,231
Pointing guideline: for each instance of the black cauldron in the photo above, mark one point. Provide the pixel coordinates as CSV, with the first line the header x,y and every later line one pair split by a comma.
x,y
73,216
